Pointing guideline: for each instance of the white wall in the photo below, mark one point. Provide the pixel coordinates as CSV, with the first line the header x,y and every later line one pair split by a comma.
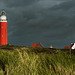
x,y
73,47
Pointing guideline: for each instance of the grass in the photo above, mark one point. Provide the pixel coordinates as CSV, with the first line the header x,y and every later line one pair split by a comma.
x,y
17,60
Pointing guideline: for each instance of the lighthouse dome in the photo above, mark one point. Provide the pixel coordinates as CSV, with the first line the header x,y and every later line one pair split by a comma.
x,y
3,16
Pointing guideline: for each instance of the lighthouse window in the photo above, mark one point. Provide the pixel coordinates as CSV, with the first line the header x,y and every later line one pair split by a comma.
x,y
2,35
2,26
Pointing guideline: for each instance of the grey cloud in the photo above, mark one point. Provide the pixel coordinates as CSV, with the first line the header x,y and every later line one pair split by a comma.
x,y
18,3
46,21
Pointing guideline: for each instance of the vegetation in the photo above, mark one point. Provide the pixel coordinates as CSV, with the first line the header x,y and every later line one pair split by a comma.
x,y
17,60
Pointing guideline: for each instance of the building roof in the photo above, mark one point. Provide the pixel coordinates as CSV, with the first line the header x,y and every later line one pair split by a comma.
x,y
72,46
51,46
67,47
37,45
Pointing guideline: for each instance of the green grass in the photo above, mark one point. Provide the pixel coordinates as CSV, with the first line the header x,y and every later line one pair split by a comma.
x,y
17,60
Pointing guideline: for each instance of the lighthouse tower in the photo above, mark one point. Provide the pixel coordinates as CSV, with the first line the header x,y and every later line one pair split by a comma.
x,y
3,28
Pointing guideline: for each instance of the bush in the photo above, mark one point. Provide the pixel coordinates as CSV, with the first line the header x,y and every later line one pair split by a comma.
x,y
26,61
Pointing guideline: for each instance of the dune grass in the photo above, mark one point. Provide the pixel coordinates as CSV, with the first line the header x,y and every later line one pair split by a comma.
x,y
33,61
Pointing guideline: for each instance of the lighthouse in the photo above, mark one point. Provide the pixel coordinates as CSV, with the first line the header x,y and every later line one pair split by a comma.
x,y
3,28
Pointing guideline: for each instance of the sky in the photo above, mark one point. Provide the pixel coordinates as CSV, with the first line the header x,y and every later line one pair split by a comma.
x,y
51,22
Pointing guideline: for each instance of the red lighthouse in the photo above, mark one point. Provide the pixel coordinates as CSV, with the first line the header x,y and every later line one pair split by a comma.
x,y
3,28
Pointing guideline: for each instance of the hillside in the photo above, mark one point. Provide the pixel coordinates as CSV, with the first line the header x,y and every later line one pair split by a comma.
x,y
20,60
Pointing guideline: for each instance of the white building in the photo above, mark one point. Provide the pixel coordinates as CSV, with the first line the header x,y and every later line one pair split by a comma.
x,y
73,47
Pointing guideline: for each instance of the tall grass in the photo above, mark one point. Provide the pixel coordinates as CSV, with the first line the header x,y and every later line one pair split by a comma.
x,y
26,62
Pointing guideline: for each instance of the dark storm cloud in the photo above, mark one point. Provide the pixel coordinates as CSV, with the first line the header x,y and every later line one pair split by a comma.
x,y
46,21
15,3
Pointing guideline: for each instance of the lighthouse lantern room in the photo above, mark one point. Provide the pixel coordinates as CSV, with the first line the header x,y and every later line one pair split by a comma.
x,y
3,28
